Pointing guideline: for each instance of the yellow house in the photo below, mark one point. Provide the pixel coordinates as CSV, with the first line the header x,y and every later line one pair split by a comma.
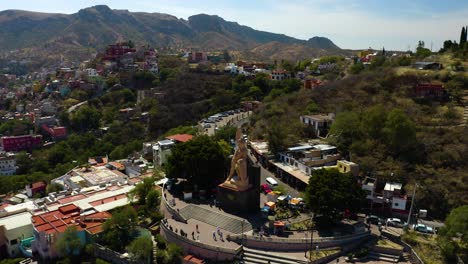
x,y
345,166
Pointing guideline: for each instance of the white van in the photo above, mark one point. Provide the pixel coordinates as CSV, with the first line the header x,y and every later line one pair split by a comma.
x,y
271,182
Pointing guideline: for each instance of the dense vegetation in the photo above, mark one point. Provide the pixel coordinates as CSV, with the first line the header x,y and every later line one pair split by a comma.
x,y
330,193
386,130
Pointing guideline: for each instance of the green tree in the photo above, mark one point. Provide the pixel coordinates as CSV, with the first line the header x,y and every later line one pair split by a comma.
x,y
456,224
330,193
85,118
456,227
463,35
142,189
68,243
119,229
356,68
173,254
276,137
201,161
399,132
421,51
346,129
140,249
373,120
23,162
153,199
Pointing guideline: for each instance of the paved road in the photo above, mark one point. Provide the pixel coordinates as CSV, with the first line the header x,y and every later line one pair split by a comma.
x,y
264,173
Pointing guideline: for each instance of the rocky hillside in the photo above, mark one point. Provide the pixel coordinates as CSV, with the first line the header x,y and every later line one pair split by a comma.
x,y
97,26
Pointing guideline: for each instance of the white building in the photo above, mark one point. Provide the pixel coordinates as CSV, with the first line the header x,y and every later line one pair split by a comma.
x,y
280,75
161,150
319,123
7,164
48,108
90,72
13,229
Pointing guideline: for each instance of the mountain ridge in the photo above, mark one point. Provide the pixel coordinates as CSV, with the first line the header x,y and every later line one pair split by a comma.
x,y
100,25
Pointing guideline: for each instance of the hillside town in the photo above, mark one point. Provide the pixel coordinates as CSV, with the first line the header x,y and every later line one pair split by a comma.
x,y
185,154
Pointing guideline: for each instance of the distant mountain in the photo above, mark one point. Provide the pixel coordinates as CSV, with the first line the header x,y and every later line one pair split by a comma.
x,y
97,26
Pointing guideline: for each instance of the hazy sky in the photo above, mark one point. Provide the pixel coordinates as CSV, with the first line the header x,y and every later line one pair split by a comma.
x,y
396,24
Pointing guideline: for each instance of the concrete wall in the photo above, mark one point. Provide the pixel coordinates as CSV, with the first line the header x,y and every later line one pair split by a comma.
x,y
407,248
200,249
285,244
110,255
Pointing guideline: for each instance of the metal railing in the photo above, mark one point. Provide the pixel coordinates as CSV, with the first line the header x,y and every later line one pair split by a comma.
x,y
299,240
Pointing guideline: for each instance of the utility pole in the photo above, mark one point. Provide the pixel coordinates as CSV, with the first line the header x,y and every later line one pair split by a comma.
x,y
412,202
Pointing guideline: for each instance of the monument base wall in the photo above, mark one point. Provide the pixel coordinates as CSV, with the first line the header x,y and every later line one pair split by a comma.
x,y
234,201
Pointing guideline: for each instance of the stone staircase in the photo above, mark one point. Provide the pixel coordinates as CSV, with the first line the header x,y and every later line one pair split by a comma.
x,y
251,256
384,257
214,218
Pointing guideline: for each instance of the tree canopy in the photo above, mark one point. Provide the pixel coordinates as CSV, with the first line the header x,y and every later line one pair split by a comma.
x,y
140,249
118,230
201,161
68,243
331,193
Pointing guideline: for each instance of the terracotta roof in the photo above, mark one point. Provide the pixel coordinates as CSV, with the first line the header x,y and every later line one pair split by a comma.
x,y
181,137
58,221
109,199
37,185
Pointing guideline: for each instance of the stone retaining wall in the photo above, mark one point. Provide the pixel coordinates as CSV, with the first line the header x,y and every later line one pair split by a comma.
x,y
200,249
407,248
175,214
288,244
110,255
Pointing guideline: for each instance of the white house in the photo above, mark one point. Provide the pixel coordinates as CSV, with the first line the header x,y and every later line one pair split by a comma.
x,y
7,164
320,123
90,72
161,150
13,229
280,75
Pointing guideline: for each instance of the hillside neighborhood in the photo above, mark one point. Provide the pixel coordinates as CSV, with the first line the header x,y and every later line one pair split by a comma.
x,y
180,151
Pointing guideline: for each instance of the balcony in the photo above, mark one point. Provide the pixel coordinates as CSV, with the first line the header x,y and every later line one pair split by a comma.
x,y
25,246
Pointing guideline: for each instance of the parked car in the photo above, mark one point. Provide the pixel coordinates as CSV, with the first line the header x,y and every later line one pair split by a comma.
x,y
373,219
424,229
266,188
395,222
272,182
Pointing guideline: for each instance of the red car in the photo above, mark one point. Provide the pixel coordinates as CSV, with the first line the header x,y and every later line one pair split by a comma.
x,y
266,188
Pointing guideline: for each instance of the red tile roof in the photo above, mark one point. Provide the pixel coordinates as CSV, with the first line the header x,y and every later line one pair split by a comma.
x,y
66,216
109,199
38,185
181,137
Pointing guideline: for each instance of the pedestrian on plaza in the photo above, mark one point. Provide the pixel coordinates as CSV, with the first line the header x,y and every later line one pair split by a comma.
x,y
338,260
196,227
193,235
214,235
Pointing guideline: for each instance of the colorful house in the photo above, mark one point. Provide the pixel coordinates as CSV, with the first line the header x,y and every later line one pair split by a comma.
x,y
49,226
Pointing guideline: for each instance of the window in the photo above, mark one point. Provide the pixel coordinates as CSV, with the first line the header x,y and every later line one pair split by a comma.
x,y
396,205
13,242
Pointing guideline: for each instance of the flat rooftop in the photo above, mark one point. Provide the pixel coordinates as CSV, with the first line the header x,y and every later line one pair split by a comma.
x,y
15,221
97,175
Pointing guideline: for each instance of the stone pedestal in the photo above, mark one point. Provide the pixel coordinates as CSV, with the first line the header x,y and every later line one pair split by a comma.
x,y
236,201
